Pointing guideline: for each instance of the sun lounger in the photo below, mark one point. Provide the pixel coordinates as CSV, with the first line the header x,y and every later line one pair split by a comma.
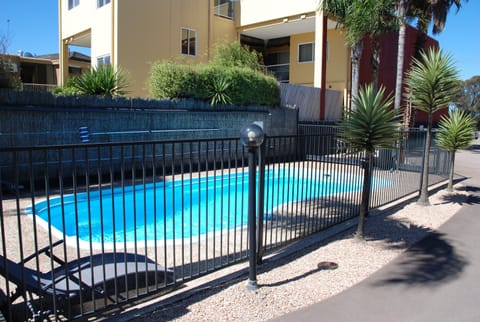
x,y
92,277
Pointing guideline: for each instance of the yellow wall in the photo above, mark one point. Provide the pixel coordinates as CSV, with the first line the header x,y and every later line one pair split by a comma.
x,y
154,30
300,73
337,61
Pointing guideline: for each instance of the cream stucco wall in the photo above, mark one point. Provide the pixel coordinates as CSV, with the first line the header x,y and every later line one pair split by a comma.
x,y
257,11
74,21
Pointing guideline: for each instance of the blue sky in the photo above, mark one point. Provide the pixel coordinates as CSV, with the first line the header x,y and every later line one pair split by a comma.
x,y
32,25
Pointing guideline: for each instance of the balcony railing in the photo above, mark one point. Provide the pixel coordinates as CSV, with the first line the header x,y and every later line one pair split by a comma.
x,y
280,71
32,87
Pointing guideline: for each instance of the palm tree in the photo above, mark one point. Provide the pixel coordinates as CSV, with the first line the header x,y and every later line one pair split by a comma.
x,y
430,12
455,132
401,12
424,12
372,125
432,81
360,18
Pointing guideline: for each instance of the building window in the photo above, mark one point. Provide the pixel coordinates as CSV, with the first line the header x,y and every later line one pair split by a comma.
x,y
101,3
224,8
103,60
189,42
306,52
73,3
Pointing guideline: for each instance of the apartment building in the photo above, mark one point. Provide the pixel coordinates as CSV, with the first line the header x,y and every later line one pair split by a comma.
x,y
134,34
299,44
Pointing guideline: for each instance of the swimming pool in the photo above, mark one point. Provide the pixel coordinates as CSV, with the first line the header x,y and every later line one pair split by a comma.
x,y
178,209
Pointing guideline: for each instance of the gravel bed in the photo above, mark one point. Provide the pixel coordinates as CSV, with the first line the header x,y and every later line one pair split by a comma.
x,y
307,276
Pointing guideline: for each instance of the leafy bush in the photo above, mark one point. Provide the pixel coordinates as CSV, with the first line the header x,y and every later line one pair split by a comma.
x,y
234,54
66,90
7,78
239,80
171,80
104,80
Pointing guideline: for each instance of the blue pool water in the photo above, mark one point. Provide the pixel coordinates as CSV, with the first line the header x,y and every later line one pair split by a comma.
x,y
204,205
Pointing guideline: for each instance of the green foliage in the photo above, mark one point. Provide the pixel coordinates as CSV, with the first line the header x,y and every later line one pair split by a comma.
x,y
7,78
432,81
218,91
373,124
214,83
171,80
105,81
468,94
456,131
66,90
362,18
233,54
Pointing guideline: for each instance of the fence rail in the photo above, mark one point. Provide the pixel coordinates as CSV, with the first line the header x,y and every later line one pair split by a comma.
x,y
110,223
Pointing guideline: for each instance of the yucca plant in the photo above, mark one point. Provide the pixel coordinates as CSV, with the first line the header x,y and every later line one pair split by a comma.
x,y
105,81
218,91
372,125
432,82
455,133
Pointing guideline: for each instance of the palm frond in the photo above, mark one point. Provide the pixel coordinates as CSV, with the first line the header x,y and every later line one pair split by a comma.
x,y
373,124
456,131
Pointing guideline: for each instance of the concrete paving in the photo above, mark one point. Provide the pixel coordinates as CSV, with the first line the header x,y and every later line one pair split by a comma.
x,y
437,279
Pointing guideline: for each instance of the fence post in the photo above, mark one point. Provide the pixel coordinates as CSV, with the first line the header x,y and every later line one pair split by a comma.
x,y
251,137
261,201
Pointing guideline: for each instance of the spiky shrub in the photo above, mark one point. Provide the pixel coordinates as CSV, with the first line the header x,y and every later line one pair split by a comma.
x,y
104,80
432,81
219,91
372,125
455,132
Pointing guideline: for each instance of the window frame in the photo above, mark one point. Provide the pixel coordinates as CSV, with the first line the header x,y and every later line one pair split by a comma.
x,y
312,43
189,30
72,4
101,3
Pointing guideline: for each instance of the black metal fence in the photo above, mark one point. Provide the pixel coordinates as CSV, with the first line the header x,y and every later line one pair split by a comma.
x,y
87,227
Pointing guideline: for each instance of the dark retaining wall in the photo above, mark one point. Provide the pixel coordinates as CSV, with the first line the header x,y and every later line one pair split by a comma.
x,y
126,120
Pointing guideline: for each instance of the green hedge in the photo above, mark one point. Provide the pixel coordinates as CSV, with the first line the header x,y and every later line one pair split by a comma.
x,y
245,85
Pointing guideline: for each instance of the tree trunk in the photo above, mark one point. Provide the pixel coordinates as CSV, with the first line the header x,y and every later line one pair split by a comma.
x,y
400,55
364,206
356,53
375,61
423,200
452,166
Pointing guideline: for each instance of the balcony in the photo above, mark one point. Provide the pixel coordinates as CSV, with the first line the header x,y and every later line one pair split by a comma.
x,y
280,71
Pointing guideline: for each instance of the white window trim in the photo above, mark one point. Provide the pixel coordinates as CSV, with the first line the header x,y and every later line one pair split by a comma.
x,y
313,52
196,41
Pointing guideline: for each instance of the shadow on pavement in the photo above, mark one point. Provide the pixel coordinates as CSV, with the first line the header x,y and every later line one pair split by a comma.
x,y
469,188
431,261
461,199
